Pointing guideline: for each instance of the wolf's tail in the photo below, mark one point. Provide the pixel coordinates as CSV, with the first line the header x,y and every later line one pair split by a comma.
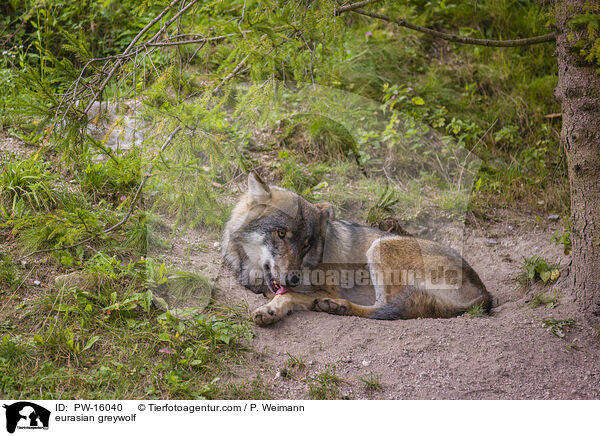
x,y
413,303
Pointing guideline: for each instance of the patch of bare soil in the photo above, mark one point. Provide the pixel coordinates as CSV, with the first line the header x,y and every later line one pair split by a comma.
x,y
508,355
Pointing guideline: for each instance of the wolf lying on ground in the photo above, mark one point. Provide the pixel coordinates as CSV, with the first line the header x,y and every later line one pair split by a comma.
x,y
296,253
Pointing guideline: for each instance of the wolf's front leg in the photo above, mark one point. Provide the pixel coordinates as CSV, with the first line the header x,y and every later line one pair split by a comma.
x,y
339,306
285,304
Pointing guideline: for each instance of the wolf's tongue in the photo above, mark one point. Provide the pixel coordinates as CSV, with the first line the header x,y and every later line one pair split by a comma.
x,y
281,290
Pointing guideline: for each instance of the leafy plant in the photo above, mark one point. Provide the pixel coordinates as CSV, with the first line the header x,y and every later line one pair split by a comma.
x,y
558,326
589,47
537,268
563,238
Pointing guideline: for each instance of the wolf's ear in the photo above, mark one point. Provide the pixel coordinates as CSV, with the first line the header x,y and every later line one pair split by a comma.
x,y
258,191
327,210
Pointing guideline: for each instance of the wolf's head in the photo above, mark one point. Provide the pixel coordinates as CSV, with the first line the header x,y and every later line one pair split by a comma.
x,y
273,235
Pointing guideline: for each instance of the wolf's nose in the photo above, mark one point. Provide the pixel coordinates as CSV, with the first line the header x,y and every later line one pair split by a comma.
x,y
292,279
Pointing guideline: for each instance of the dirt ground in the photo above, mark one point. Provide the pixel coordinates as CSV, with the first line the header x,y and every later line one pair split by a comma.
x,y
508,355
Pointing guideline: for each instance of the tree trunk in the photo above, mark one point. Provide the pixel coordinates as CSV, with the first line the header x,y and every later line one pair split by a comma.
x,y
578,91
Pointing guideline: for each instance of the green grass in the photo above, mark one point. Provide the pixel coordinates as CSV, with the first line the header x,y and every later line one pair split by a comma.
x,y
104,338
324,386
304,178
10,274
476,311
372,382
295,362
316,138
29,181
383,208
255,389
114,179
542,300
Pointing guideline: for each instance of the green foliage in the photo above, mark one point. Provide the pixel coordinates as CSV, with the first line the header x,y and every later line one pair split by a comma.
x,y
558,326
563,238
537,268
589,46
295,362
372,382
324,386
306,179
476,311
28,180
542,300
63,227
10,275
384,205
112,179
100,335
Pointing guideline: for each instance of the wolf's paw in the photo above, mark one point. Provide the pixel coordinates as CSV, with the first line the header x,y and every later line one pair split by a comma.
x,y
265,315
336,307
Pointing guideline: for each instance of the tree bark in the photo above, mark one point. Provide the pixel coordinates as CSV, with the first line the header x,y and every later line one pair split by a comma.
x,y
578,91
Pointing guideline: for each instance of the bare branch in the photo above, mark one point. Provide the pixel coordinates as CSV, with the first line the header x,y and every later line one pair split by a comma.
x,y
235,71
549,37
352,6
193,41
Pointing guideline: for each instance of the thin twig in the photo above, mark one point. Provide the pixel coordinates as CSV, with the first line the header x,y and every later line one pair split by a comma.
x,y
193,41
352,7
235,71
14,33
549,37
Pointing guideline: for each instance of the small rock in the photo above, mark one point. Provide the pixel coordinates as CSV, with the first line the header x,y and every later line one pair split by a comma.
x,y
217,244
365,363
491,242
37,282
553,217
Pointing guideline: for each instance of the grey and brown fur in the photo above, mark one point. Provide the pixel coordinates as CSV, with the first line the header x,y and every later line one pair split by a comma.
x,y
275,236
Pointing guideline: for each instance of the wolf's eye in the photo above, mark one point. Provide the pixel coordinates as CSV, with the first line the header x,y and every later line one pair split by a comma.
x,y
281,233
